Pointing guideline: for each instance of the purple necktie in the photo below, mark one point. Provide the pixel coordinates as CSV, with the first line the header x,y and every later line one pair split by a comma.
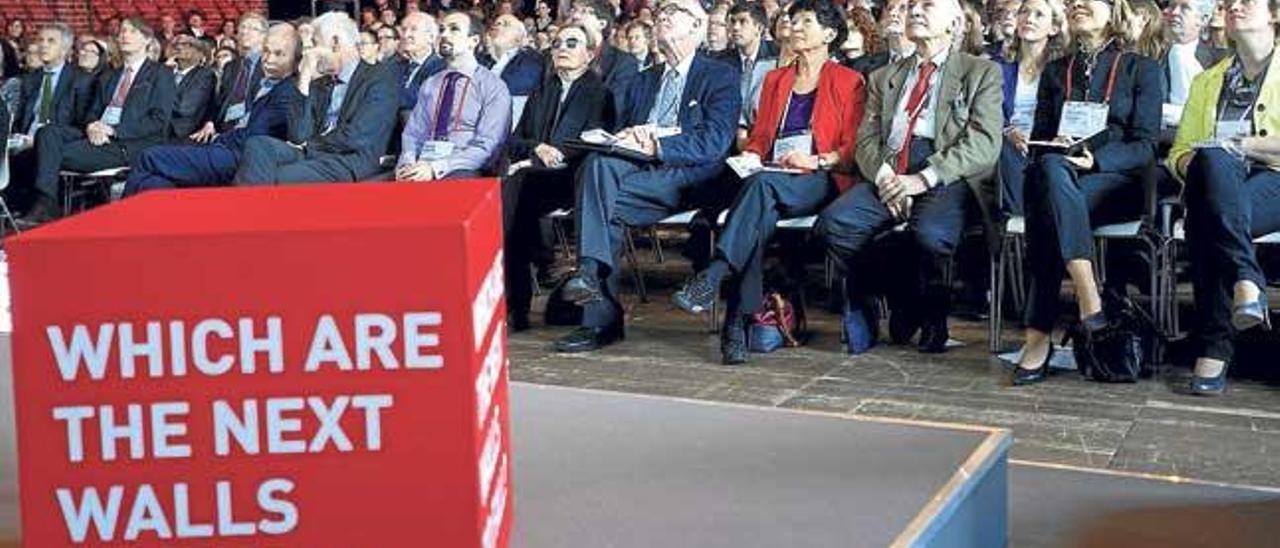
x,y
446,106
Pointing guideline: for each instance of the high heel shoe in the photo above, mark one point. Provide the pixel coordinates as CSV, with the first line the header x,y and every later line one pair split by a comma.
x,y
1249,315
1210,386
1023,376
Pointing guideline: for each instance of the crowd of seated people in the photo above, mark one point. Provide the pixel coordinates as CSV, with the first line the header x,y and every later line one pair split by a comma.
x,y
915,117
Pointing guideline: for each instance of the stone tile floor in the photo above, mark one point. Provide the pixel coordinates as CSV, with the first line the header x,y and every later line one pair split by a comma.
x,y
1152,426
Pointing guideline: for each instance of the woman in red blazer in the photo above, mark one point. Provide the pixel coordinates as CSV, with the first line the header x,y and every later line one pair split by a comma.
x,y
808,118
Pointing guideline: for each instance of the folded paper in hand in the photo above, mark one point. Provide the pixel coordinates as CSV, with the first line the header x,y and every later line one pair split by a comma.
x,y
604,138
746,165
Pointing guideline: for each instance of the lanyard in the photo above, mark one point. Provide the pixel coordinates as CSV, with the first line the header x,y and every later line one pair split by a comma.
x,y
1234,83
457,109
1111,80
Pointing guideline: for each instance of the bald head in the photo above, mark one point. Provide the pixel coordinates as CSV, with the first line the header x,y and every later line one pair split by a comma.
x,y
281,50
418,34
507,33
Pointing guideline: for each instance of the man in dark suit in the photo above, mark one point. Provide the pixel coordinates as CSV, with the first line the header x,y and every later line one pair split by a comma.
x,y
682,115
58,94
195,83
339,132
616,67
131,113
508,57
193,165
240,80
541,168
418,36
893,26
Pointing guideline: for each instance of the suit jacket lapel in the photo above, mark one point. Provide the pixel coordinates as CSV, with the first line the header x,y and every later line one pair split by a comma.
x,y
948,92
143,75
897,78
653,81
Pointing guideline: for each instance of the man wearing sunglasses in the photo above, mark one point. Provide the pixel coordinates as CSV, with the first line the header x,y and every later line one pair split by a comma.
x,y
681,115
572,100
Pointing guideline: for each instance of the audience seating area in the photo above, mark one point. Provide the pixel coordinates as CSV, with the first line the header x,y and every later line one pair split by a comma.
x,y
92,15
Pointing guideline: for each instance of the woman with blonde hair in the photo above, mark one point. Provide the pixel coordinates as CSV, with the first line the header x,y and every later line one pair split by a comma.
x,y
1145,28
1040,36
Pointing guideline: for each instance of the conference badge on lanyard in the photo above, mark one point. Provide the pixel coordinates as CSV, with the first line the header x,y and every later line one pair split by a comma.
x,y
111,116
1084,119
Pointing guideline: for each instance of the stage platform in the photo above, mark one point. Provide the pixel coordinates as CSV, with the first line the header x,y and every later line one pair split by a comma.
x,y
609,469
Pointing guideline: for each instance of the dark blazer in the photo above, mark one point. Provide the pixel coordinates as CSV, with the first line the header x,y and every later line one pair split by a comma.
x,y
837,113
523,74
365,120
408,95
1207,55
868,64
1133,118
222,99
194,105
708,116
730,55
1009,70
617,68
269,115
545,120
72,98
144,121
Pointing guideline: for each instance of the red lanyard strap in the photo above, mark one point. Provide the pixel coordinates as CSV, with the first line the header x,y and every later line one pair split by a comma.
x,y
1111,80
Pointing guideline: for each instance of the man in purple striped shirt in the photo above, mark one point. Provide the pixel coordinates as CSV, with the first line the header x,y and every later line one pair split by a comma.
x,y
463,113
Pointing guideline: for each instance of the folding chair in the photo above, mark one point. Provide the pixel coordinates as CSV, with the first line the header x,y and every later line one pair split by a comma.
x,y
76,185
5,177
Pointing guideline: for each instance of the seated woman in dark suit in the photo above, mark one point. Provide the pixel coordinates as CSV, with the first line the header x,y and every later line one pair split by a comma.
x,y
541,172
1110,99
1232,191
808,117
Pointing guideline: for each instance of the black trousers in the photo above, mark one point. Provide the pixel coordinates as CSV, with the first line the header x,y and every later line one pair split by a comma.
x,y
613,194
1013,175
269,161
1228,204
1062,207
60,148
853,221
765,198
526,197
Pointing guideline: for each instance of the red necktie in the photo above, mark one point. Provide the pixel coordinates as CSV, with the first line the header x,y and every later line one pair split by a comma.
x,y
122,92
917,96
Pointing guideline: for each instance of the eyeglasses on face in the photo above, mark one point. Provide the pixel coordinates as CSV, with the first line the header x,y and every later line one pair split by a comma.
x,y
567,43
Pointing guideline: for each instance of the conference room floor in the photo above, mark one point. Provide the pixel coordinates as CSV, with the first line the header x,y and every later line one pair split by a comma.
x,y
1151,427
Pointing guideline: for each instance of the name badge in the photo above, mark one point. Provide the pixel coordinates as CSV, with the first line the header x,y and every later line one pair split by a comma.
x,y
112,116
1232,129
235,112
802,143
1170,115
1081,120
435,150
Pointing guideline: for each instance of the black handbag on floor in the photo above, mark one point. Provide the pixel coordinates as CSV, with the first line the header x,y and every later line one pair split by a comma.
x,y
1115,352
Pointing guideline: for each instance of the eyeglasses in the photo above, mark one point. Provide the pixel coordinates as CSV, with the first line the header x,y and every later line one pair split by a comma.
x,y
385,37
567,43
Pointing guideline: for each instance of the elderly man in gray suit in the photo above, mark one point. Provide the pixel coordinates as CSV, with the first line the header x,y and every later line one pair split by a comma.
x,y
928,142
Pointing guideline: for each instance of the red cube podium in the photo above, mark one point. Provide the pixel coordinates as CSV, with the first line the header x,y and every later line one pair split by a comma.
x,y
303,366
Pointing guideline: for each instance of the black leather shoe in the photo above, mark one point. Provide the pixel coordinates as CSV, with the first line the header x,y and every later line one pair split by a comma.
x,y
1209,386
903,326
586,339
517,322
1023,376
697,296
934,337
582,289
733,342
1250,315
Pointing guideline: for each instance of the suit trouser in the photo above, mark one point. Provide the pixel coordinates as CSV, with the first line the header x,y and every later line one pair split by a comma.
x,y
182,166
1227,205
526,197
22,179
59,148
764,199
1013,175
936,222
614,194
1062,206
269,161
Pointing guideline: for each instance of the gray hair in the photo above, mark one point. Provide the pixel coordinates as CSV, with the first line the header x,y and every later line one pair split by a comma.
x,y
336,25
64,31
263,24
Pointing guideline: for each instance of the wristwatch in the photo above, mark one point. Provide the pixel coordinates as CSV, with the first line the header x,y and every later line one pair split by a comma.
x,y
823,163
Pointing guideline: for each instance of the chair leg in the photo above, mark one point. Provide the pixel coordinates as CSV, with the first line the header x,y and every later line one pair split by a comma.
x,y
629,250
562,238
714,325
657,244
995,312
8,216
